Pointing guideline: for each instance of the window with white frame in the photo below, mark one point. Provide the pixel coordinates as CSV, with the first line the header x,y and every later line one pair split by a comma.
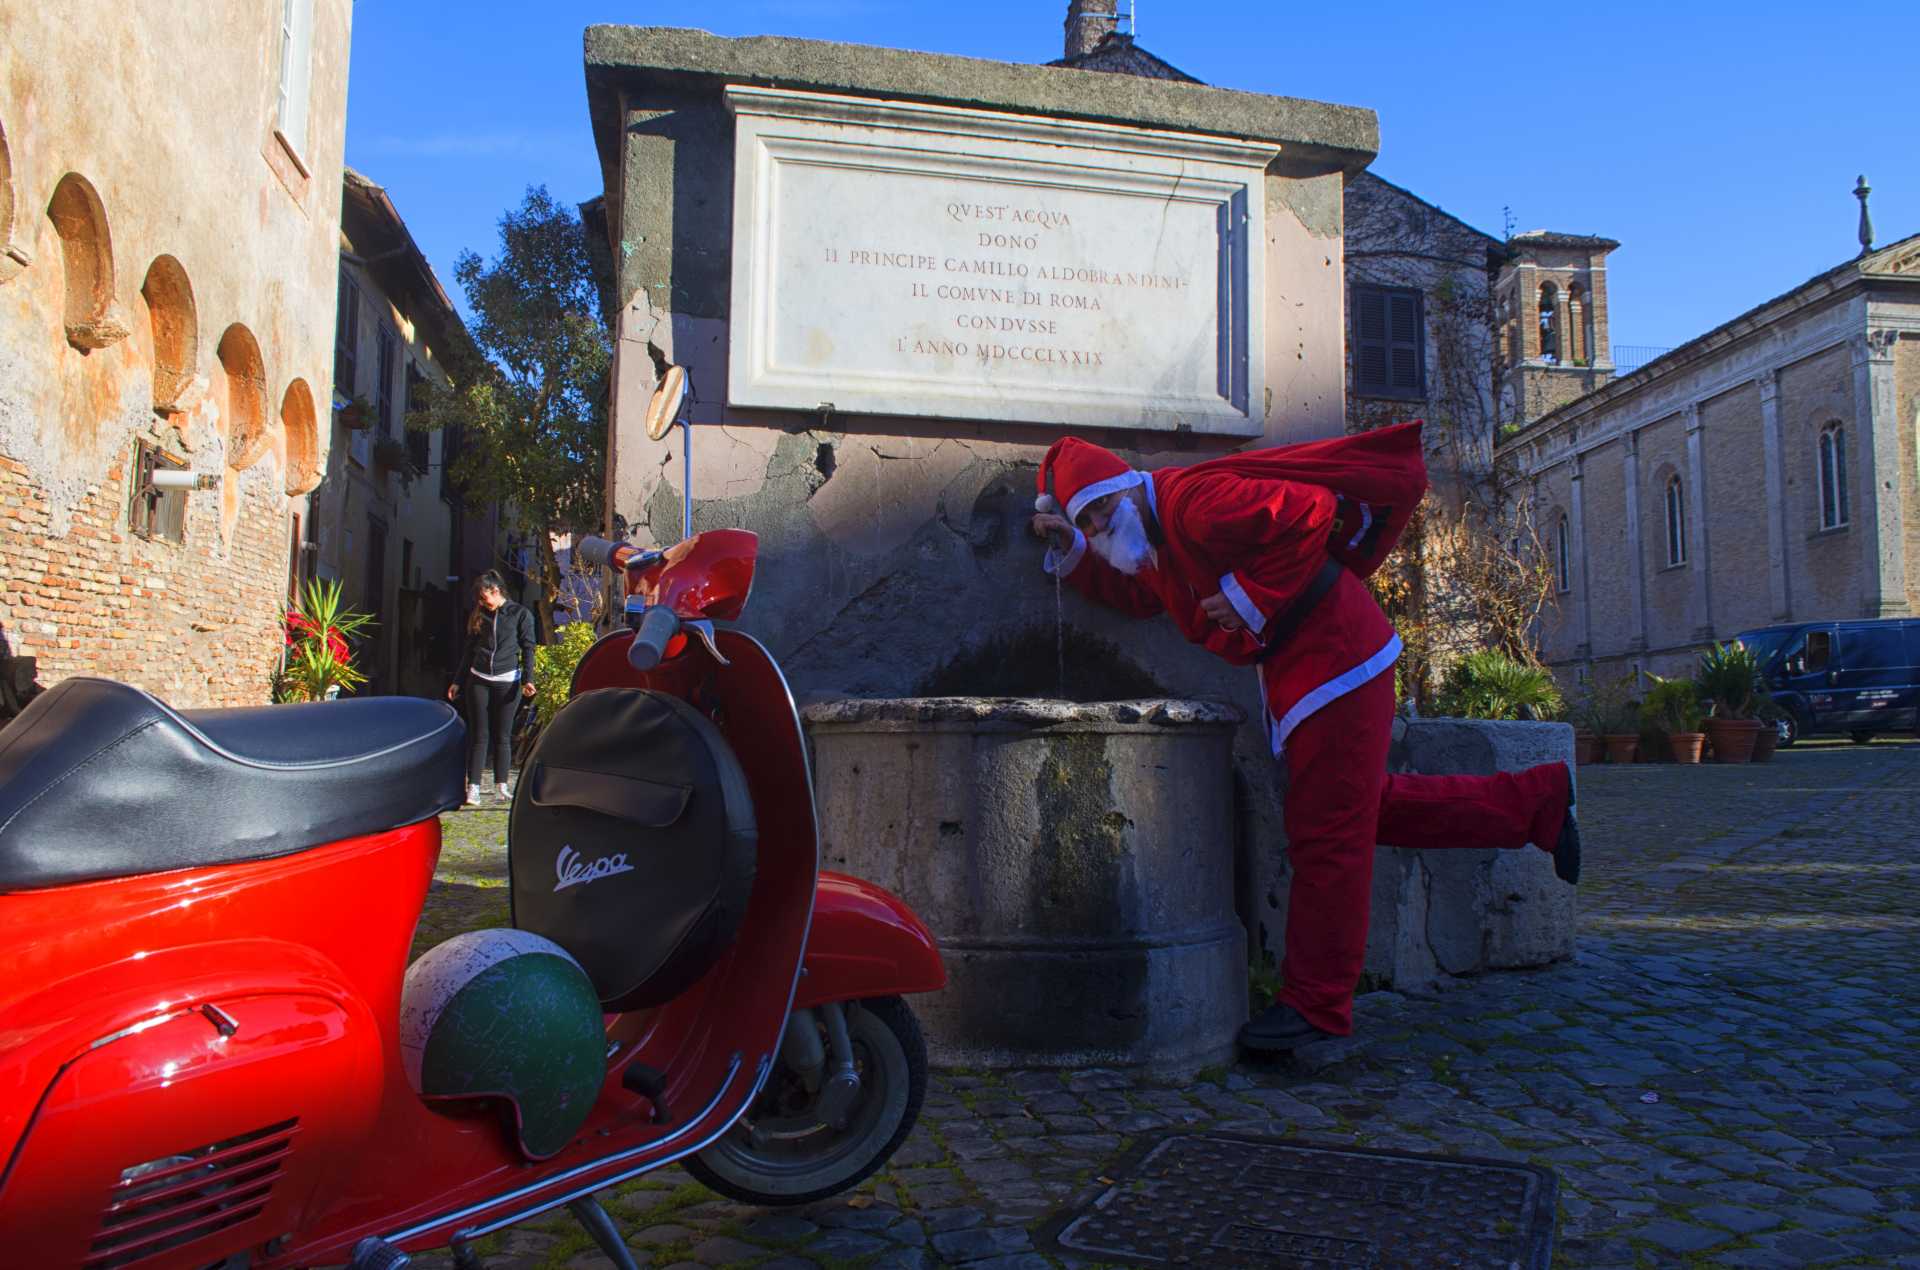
x,y
296,72
1676,522
1562,557
1833,476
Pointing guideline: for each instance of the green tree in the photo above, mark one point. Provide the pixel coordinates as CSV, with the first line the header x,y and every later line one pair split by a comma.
x,y
531,400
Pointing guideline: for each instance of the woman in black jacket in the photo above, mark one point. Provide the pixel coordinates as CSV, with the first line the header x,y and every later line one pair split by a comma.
x,y
494,671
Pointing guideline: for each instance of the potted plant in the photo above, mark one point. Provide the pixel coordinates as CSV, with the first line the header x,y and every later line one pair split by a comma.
x,y
317,661
1620,724
357,414
1767,738
1588,745
1489,684
1613,719
1728,677
1673,709
391,454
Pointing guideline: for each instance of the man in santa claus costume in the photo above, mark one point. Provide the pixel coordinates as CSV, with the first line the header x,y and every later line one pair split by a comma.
x,y
1259,557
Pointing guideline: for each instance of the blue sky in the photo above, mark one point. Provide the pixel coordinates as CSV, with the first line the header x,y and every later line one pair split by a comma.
x,y
1717,142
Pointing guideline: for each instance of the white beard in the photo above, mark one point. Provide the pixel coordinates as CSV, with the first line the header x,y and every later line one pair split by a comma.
x,y
1124,544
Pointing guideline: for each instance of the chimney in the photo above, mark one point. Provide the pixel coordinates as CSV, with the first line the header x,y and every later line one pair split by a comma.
x,y
1089,22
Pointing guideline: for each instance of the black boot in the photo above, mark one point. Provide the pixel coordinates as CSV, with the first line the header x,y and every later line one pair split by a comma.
x,y
1279,1029
1566,852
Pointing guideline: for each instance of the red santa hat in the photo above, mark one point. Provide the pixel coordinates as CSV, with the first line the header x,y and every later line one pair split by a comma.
x,y
1076,472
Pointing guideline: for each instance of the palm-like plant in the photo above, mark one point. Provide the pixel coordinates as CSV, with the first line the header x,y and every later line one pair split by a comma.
x,y
1730,676
1489,684
1672,705
319,650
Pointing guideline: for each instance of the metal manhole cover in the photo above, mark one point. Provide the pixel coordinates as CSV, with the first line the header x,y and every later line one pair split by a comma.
x,y
1228,1200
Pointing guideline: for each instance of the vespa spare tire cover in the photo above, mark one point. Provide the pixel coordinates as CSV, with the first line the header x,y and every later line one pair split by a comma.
x,y
632,843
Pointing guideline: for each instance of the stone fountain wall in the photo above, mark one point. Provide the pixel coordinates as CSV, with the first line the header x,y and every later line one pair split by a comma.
x,y
1079,865
893,536
1074,861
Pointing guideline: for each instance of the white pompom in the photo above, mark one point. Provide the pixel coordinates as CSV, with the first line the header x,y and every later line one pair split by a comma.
x,y
1046,503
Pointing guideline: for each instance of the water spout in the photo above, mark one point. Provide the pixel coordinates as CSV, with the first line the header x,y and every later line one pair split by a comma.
x,y
1060,636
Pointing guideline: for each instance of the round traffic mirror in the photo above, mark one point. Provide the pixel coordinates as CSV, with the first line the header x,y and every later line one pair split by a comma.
x,y
664,410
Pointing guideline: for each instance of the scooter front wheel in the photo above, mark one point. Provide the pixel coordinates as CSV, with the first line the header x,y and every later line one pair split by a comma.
x,y
784,1152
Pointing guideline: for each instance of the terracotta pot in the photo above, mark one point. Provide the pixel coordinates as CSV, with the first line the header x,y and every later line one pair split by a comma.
x,y
1686,746
1620,748
1732,739
1765,742
1588,747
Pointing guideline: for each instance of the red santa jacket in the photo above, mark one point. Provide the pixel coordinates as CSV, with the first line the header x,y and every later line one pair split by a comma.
x,y
1257,527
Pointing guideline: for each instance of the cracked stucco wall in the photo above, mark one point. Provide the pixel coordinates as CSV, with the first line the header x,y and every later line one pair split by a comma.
x,y
98,91
888,545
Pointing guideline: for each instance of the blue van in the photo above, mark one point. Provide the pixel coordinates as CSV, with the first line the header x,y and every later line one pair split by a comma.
x,y
1860,678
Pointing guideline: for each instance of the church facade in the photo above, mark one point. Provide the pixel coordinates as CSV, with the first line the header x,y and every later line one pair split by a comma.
x,y
1764,472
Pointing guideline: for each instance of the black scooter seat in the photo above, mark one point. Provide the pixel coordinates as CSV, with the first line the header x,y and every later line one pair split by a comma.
x,y
101,780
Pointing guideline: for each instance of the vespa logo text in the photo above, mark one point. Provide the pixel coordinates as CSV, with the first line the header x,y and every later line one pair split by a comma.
x,y
574,871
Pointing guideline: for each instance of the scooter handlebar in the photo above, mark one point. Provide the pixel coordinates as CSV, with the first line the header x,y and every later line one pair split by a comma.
x,y
597,552
657,627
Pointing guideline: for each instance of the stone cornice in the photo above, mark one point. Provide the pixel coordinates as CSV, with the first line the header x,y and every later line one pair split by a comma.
x,y
1315,134
1849,282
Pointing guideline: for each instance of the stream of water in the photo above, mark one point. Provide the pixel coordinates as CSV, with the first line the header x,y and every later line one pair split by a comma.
x,y
1060,637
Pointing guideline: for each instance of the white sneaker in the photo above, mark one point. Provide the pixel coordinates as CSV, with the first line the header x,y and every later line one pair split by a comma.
x,y
473,796
505,792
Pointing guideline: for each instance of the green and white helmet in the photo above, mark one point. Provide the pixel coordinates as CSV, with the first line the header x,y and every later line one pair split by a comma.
x,y
506,1014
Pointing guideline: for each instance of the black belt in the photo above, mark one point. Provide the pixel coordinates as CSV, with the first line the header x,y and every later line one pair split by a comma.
x,y
1288,622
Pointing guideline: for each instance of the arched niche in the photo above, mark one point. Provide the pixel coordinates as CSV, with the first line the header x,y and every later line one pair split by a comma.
x,y
176,332
300,426
11,259
244,408
86,251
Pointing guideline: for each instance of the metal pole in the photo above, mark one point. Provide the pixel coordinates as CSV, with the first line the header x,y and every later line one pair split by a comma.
x,y
686,480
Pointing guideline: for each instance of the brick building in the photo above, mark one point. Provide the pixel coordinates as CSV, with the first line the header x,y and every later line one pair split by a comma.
x,y
168,257
1762,472
388,520
1420,342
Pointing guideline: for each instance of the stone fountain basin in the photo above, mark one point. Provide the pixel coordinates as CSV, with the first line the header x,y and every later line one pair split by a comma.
x,y
1075,861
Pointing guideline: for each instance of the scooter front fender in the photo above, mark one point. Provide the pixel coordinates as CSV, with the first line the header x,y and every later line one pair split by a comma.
x,y
865,942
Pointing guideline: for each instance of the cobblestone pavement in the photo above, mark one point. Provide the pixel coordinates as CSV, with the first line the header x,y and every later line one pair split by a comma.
x,y
1728,1074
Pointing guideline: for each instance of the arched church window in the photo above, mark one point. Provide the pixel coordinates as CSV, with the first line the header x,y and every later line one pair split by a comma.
x,y
1676,522
1833,476
1562,557
1549,322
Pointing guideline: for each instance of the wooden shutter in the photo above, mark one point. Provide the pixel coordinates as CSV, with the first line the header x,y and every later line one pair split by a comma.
x,y
346,337
1370,343
1408,345
1389,342
383,391
417,440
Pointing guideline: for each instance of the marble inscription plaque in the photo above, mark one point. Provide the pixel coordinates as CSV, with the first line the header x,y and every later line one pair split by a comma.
x,y
904,259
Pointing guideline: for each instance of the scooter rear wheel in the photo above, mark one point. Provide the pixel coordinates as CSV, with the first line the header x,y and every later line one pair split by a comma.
x,y
780,1153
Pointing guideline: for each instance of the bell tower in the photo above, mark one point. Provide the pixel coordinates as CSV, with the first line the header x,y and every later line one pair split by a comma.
x,y
1550,319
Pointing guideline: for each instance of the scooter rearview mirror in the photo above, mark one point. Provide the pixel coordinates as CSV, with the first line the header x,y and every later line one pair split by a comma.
x,y
663,411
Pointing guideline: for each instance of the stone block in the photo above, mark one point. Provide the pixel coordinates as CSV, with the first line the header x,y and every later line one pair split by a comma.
x,y
1470,910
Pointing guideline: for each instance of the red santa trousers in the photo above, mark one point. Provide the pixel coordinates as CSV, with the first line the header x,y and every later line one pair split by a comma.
x,y
1341,802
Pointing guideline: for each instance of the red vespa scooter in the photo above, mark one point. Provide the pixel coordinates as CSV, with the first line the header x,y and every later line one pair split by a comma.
x,y
213,1053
